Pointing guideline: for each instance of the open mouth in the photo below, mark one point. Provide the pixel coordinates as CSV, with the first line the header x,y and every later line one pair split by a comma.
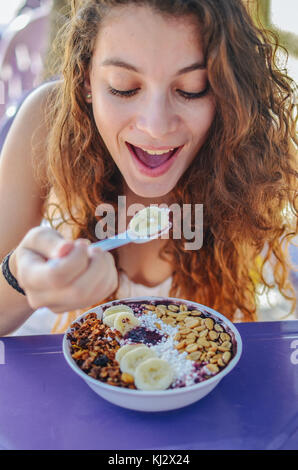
x,y
152,161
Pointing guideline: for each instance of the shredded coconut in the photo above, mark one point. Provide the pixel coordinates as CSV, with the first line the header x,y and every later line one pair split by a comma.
x,y
183,368
185,371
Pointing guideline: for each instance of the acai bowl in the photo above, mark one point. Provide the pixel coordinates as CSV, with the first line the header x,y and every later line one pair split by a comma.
x,y
152,353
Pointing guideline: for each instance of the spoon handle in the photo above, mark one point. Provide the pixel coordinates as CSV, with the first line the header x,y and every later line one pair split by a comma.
x,y
113,242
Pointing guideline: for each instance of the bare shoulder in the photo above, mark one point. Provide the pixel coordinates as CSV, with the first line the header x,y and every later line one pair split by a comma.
x,y
32,114
29,130
21,191
38,97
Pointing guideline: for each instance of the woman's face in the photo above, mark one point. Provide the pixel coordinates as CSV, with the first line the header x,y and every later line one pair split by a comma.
x,y
148,85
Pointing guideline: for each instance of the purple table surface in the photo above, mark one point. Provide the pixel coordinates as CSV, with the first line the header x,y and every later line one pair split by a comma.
x,y
45,405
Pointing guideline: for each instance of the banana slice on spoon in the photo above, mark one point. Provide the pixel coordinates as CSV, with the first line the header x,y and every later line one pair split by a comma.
x,y
149,222
146,225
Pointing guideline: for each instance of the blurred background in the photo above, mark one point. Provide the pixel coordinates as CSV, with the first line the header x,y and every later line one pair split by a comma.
x,y
28,29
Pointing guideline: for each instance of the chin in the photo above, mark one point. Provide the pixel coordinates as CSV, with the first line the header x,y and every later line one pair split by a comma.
x,y
150,190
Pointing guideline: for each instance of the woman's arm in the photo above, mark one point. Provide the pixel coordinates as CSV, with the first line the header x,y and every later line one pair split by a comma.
x,y
21,199
59,274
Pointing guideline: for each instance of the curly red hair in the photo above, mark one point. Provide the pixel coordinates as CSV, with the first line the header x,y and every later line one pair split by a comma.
x,y
245,174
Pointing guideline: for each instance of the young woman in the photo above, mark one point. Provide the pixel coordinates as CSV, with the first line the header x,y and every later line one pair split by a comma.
x,y
141,78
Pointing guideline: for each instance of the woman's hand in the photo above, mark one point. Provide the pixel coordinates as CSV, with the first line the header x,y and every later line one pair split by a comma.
x,y
63,275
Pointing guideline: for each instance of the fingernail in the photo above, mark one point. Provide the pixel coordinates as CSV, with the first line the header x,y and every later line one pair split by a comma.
x,y
65,249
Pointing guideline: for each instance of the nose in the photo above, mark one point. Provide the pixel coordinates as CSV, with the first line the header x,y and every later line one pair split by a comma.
x,y
157,118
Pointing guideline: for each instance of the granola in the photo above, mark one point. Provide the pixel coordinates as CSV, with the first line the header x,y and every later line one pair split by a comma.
x,y
195,344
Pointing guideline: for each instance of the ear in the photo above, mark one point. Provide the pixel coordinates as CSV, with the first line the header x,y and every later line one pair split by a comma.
x,y
87,88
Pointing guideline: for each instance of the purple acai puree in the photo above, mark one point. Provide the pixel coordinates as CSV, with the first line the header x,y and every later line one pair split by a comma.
x,y
143,335
187,372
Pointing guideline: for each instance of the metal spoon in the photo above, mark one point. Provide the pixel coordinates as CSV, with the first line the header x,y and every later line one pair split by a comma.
x,y
130,235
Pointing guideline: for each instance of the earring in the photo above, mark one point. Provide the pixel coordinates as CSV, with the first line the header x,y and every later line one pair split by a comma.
x,y
89,96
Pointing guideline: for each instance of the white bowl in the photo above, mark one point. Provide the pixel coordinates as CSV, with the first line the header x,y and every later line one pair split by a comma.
x,y
154,400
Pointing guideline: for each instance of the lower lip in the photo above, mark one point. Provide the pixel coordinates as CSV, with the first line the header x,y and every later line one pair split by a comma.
x,y
154,172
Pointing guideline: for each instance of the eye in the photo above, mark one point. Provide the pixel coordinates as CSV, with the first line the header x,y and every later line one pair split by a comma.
x,y
187,96
123,94
193,96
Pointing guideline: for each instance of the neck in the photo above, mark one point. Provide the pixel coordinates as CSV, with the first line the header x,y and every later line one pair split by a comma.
x,y
132,198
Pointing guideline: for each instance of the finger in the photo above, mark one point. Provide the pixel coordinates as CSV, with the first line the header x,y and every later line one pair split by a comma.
x,y
91,287
54,273
99,280
66,248
46,242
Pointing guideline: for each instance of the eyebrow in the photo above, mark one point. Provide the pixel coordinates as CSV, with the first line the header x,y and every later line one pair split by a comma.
x,y
120,63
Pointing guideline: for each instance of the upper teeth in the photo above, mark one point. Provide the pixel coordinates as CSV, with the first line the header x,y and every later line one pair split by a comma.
x,y
157,152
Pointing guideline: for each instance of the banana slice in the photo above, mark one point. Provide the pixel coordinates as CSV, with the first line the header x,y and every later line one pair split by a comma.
x,y
153,374
132,359
125,349
125,321
117,309
149,221
109,320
